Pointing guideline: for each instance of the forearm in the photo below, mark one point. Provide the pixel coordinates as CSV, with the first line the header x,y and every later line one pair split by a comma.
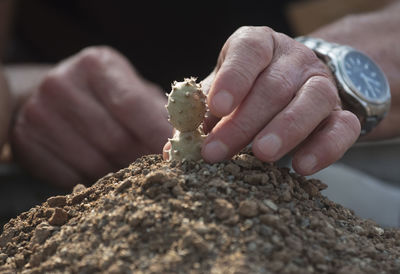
x,y
377,34
5,109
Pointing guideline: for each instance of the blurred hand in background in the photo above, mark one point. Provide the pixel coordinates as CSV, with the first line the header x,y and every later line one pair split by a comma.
x,y
89,115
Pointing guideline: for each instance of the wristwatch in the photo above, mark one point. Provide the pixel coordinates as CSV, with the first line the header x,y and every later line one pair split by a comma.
x,y
362,85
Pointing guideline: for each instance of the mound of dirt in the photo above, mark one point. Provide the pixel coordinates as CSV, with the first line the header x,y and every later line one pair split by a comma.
x,y
239,216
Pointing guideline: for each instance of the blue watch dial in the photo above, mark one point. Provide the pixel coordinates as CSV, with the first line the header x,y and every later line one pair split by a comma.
x,y
365,77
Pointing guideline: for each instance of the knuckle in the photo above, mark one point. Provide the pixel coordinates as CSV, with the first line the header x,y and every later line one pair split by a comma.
x,y
350,121
345,130
32,113
284,88
240,72
307,59
254,41
306,55
242,129
324,90
52,84
96,57
290,121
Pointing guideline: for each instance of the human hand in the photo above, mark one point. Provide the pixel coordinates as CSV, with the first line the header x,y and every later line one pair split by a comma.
x,y
274,92
90,115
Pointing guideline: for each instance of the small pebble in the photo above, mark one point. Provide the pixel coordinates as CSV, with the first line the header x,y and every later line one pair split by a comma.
x,y
223,209
270,204
57,201
256,179
248,208
59,217
232,169
78,188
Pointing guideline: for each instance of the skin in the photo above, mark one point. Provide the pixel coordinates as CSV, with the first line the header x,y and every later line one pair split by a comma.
x,y
93,113
272,91
4,109
89,115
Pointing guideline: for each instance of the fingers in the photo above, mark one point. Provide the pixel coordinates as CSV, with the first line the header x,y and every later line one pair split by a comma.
x,y
136,105
49,129
272,91
328,143
89,119
166,148
39,159
312,104
245,55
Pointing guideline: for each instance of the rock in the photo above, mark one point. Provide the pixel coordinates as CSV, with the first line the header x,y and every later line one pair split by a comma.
x,y
178,191
155,177
270,220
19,260
195,242
59,217
78,197
78,188
223,209
124,185
57,201
6,237
256,179
3,258
41,233
232,169
248,208
310,188
270,204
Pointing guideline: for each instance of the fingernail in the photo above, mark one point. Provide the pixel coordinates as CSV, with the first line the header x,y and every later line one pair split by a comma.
x,y
307,163
222,102
215,151
269,145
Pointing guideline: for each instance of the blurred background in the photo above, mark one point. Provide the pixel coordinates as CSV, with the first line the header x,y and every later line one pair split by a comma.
x,y
164,40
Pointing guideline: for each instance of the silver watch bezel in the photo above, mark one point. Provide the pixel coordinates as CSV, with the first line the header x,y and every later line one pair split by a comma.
x,y
376,108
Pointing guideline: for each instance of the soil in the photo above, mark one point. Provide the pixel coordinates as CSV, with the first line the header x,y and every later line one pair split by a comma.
x,y
238,216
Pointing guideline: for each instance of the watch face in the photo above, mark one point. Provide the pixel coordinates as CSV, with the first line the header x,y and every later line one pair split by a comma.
x,y
365,77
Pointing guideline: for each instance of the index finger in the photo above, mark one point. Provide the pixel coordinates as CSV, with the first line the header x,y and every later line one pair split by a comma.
x,y
246,53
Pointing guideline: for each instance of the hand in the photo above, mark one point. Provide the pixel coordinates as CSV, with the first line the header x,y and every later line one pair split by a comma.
x,y
273,91
90,115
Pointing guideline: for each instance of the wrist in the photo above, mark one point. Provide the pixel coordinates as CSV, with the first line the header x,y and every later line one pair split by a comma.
x,y
5,109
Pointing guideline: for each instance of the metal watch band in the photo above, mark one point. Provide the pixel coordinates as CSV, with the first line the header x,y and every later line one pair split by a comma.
x,y
368,124
319,46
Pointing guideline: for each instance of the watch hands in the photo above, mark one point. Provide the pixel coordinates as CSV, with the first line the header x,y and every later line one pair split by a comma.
x,y
369,79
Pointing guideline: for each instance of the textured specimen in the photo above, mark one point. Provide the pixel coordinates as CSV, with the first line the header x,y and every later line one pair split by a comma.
x,y
186,108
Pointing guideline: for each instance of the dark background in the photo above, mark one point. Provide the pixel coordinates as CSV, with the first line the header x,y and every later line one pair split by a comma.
x,y
164,40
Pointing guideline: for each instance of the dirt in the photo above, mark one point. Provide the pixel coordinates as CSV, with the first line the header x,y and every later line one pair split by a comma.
x,y
239,216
